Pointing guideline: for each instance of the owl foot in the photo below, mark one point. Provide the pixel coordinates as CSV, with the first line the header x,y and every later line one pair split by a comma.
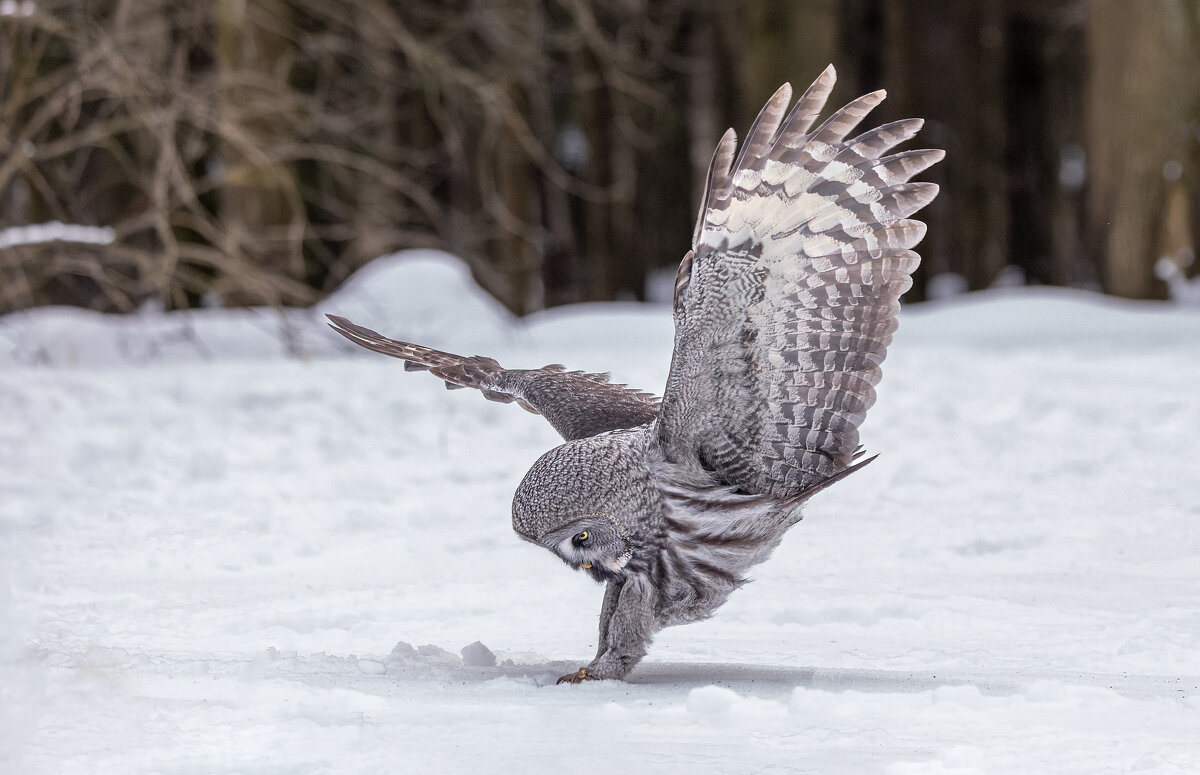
x,y
578,677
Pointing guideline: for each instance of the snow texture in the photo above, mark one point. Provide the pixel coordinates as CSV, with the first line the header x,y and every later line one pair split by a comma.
x,y
228,560
1181,288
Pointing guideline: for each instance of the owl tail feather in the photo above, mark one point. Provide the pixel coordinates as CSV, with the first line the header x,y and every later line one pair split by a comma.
x,y
816,488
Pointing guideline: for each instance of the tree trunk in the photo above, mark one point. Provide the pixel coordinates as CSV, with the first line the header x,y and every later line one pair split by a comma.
x,y
1141,113
263,224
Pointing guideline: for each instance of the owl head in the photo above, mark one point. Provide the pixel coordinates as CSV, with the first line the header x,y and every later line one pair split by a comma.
x,y
592,543
580,502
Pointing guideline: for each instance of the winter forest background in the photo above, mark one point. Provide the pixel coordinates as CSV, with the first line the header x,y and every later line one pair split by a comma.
x,y
257,153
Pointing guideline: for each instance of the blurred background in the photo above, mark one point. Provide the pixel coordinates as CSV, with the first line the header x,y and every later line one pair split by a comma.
x,y
257,152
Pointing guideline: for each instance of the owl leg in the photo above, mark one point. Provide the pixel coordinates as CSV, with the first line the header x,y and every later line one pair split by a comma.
x,y
626,626
612,593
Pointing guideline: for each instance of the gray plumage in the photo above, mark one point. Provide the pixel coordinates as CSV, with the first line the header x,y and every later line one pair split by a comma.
x,y
784,308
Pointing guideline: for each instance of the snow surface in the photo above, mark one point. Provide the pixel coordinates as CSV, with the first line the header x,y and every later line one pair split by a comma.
x,y
226,559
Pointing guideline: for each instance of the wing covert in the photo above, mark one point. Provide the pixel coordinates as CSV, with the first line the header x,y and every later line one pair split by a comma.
x,y
576,403
786,304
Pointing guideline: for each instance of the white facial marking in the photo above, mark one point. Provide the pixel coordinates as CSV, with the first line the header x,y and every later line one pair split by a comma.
x,y
617,564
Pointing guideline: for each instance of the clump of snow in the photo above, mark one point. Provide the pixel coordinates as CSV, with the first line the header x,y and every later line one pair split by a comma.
x,y
711,700
418,294
421,295
431,653
403,652
52,231
660,285
1011,276
944,285
478,655
1181,288
211,563
24,8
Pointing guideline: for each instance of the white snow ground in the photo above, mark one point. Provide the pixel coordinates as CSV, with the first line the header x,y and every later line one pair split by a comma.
x,y
209,560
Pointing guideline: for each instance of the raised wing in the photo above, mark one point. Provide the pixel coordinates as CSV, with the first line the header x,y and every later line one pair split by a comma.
x,y
786,304
577,404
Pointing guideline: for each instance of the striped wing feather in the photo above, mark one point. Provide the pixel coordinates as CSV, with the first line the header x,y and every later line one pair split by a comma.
x,y
787,301
577,404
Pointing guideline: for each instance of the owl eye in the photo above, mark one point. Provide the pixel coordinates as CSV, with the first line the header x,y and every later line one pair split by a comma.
x,y
581,537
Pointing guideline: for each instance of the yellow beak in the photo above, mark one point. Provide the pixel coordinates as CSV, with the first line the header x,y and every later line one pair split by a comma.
x,y
586,565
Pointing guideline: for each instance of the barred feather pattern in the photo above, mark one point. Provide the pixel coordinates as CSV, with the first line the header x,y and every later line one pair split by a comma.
x,y
787,301
710,536
578,404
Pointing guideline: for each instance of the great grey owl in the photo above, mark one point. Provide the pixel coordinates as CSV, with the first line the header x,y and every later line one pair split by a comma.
x,y
783,311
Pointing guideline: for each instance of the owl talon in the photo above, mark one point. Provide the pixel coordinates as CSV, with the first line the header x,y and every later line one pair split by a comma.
x,y
578,677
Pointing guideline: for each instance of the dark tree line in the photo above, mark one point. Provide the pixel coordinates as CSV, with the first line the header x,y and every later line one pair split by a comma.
x,y
259,152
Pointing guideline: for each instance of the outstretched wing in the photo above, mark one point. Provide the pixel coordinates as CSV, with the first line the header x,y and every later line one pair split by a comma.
x,y
577,404
786,304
